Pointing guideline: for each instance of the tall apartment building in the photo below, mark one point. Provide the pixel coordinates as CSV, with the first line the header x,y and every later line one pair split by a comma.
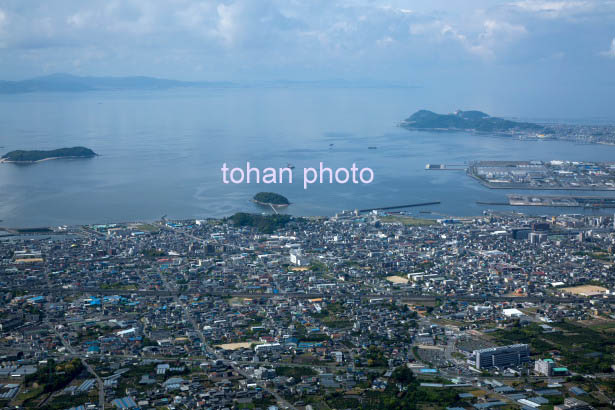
x,y
544,367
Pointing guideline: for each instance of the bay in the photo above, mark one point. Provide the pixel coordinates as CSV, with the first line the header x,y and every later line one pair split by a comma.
x,y
161,153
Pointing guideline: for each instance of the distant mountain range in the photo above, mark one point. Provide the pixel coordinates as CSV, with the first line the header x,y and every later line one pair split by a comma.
x,y
475,121
74,83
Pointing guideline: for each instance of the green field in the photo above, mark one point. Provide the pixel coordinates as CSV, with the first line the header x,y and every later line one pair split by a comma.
x,y
582,349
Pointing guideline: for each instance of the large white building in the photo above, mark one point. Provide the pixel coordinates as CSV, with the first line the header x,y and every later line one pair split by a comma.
x,y
268,347
297,258
544,367
513,313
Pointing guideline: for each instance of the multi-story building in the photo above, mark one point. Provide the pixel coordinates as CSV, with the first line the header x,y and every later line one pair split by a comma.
x,y
544,367
503,356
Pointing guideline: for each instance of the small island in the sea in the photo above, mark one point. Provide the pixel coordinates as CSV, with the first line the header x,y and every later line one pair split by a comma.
x,y
26,157
473,121
271,198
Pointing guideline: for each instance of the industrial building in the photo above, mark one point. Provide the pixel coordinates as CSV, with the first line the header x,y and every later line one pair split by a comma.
x,y
573,404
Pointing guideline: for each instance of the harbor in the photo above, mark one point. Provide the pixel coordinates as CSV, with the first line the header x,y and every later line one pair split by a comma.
x,y
572,201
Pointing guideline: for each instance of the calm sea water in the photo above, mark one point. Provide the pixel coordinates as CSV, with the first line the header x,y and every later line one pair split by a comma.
x,y
161,153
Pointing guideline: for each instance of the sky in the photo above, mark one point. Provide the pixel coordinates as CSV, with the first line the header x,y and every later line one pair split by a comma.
x,y
511,49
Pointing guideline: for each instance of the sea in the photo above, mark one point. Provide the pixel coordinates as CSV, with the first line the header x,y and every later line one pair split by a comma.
x,y
161,154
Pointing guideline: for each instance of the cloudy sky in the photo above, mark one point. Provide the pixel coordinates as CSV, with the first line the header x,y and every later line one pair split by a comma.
x,y
561,47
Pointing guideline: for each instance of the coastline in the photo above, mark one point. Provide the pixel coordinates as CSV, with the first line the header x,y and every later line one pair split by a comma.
x,y
513,134
509,133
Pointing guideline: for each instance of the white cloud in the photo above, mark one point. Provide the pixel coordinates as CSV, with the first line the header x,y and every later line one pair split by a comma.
x,y
484,39
79,19
494,27
2,20
385,41
195,16
558,9
420,28
495,34
397,10
548,6
2,24
226,28
611,52
277,35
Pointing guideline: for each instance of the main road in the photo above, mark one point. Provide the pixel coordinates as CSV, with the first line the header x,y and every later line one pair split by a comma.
x,y
398,295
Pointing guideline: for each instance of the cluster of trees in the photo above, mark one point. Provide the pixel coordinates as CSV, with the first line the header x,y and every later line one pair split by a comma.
x,y
53,377
154,253
264,223
376,357
296,372
583,349
64,401
402,393
411,393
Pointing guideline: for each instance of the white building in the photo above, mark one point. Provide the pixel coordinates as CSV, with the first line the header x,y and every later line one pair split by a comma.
x,y
297,258
268,347
512,313
544,367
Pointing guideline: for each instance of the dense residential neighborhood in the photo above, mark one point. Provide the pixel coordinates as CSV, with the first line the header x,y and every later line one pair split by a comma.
x,y
360,310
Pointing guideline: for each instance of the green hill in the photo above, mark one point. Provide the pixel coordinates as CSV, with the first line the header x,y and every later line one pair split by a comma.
x,y
264,223
467,121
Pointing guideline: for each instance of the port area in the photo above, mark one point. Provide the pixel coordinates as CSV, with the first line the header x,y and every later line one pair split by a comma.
x,y
561,200
544,175
445,167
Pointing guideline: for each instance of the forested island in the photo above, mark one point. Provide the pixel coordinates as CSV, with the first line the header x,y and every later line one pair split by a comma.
x,y
271,198
24,156
475,121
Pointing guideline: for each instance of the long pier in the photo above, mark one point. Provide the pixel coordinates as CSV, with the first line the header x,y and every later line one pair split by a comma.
x,y
492,203
386,208
446,167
